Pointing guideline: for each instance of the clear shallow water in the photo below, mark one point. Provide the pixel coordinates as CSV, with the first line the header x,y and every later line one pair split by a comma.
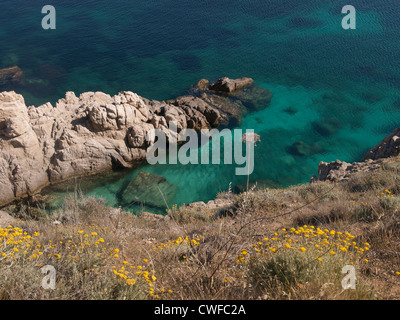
x,y
346,81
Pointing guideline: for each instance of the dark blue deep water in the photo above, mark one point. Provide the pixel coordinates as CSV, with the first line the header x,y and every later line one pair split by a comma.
x,y
335,91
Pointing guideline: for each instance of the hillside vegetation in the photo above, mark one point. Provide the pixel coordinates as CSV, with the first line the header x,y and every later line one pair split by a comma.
x,y
287,243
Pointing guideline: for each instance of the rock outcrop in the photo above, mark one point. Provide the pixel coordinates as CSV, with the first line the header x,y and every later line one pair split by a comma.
x,y
213,208
95,131
231,98
338,171
388,147
228,85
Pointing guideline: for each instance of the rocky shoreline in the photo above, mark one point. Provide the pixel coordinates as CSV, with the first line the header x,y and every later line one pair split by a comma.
x,y
337,171
95,132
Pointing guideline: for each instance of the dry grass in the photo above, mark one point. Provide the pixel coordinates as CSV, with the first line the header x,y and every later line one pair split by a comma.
x,y
198,253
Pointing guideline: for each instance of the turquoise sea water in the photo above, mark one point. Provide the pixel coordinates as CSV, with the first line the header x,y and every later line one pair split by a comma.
x,y
336,91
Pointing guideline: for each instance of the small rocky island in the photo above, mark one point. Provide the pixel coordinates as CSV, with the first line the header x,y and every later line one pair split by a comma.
x,y
94,132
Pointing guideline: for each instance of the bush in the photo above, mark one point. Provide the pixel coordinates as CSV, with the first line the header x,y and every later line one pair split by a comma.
x,y
391,204
282,266
83,261
323,189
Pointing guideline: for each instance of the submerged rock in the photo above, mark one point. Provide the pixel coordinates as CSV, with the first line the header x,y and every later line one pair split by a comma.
x,y
254,97
326,127
372,97
304,23
303,149
10,76
290,110
149,189
52,72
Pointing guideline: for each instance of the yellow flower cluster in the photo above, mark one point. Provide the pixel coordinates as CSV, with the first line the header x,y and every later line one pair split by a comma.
x,y
14,243
186,241
130,273
318,242
79,243
386,194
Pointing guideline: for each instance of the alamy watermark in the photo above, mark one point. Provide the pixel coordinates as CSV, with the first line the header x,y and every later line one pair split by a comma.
x,y
349,21
49,21
49,281
349,280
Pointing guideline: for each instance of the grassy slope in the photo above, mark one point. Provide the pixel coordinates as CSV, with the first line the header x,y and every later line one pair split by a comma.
x,y
279,244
